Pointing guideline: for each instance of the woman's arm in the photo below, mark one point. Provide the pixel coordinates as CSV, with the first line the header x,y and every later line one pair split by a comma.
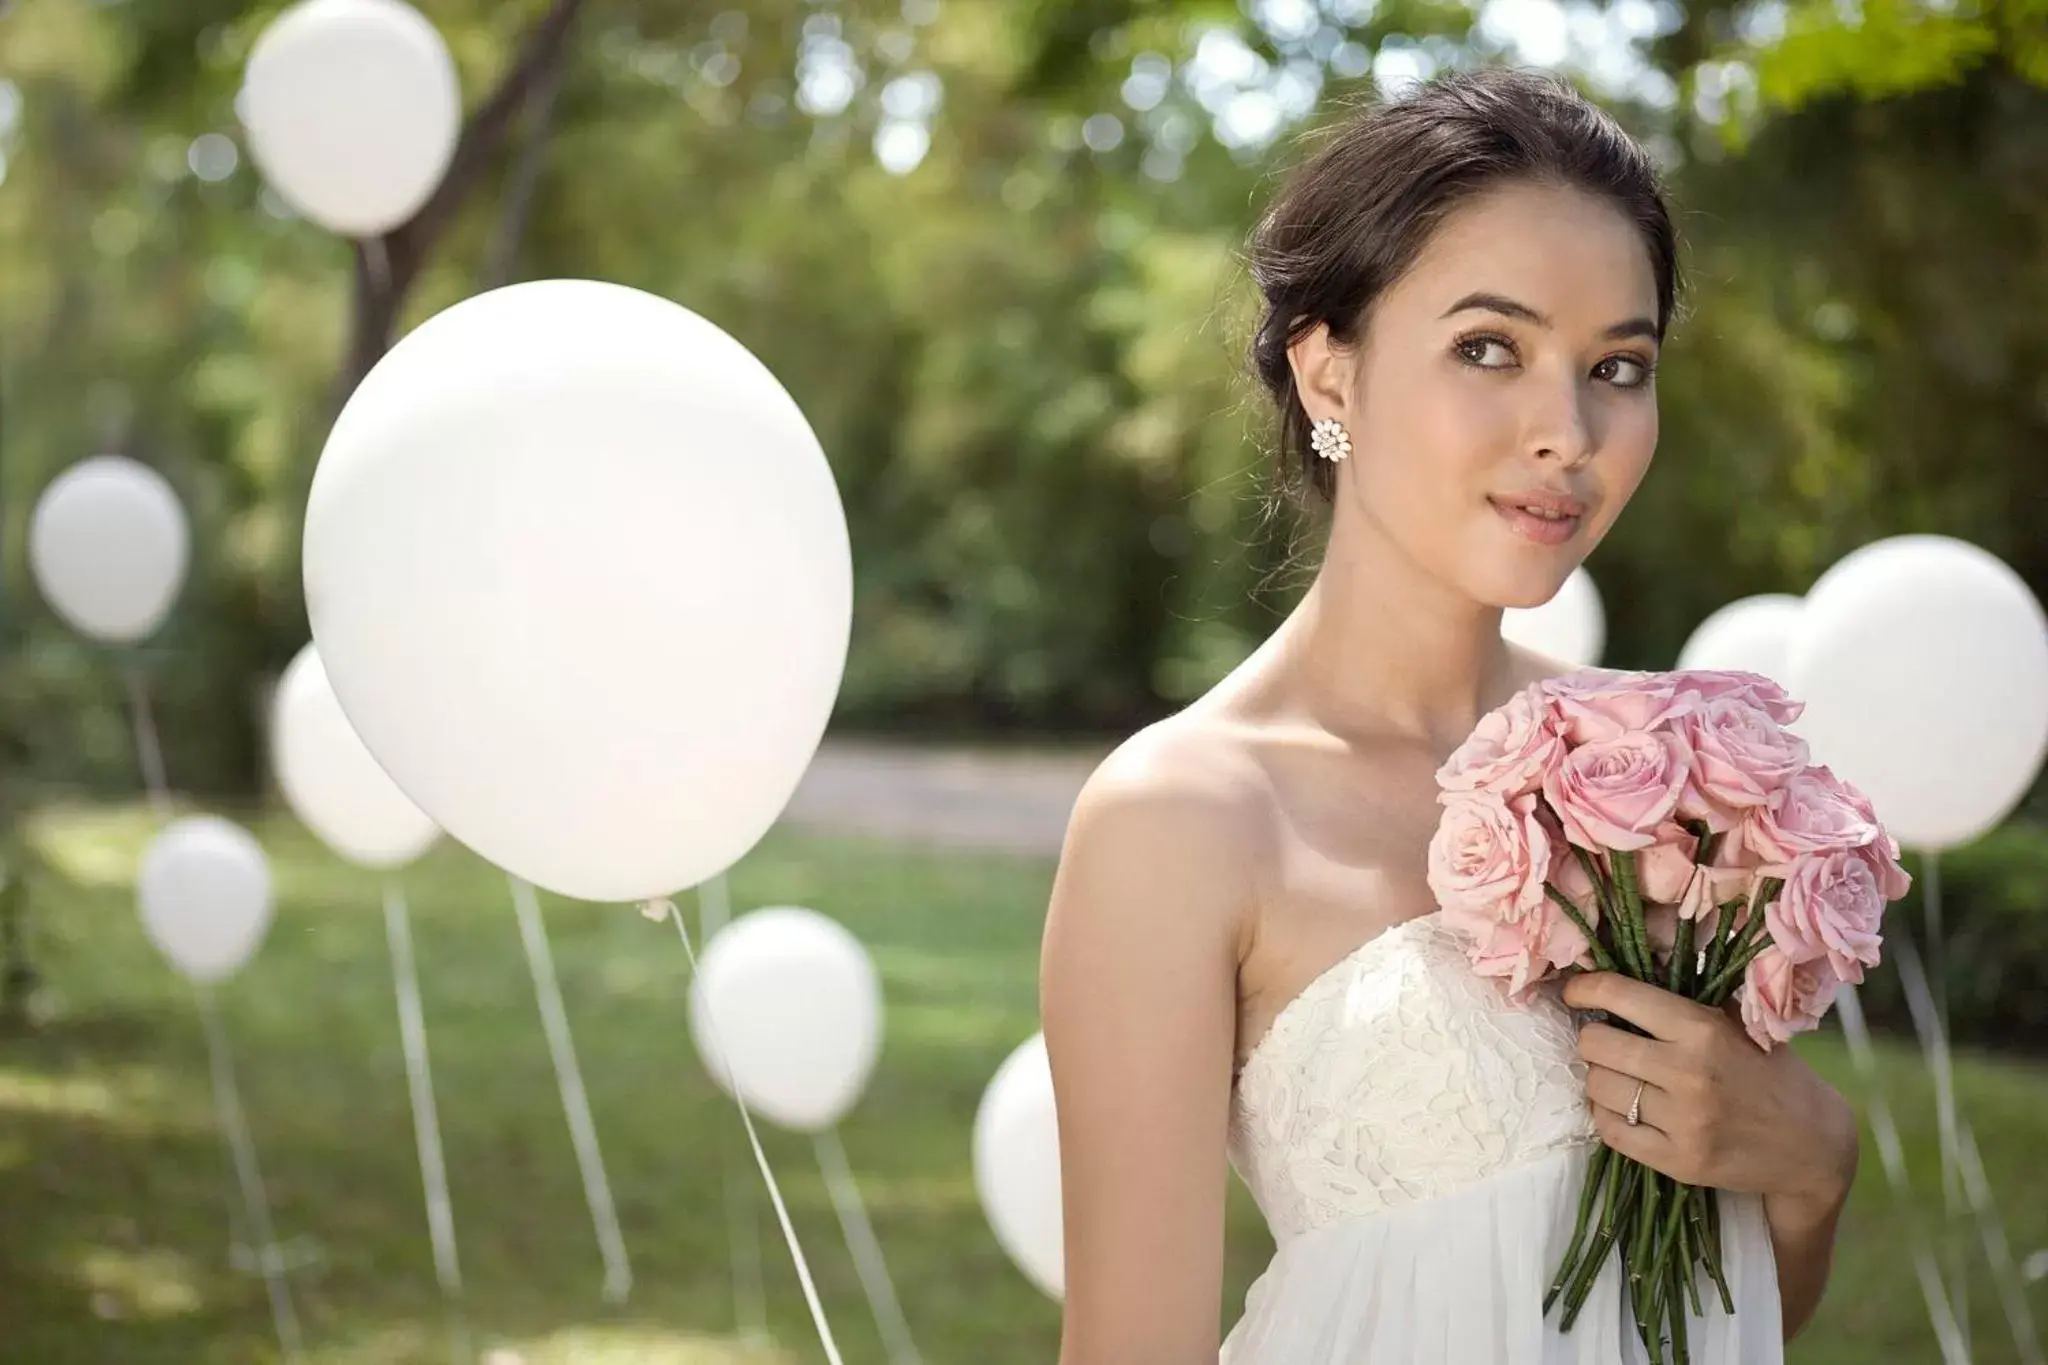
x,y
1803,1222
1139,997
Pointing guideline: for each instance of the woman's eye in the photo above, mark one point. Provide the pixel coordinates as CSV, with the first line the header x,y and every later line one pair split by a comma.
x,y
1488,353
1623,371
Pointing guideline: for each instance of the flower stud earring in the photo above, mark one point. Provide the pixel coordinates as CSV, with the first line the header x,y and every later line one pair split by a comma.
x,y
1330,440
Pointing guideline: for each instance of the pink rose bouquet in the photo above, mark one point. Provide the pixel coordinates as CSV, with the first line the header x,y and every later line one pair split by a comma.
x,y
1666,826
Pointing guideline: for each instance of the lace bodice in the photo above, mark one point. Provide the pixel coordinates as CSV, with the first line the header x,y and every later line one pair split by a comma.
x,y
1399,1075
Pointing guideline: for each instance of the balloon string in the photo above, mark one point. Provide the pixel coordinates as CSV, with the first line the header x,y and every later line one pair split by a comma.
x,y
867,1251
1892,1153
2011,1284
796,1251
149,749
426,1122
1922,1002
749,1301
618,1273
149,757
228,1101
1930,1020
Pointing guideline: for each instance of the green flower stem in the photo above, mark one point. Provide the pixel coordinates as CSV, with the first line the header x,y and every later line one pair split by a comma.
x,y
1681,1271
1723,985
1681,959
1603,891
1712,1204
1639,1256
1666,1238
1612,1219
1754,937
1600,1174
1602,960
1689,1248
1724,927
1628,895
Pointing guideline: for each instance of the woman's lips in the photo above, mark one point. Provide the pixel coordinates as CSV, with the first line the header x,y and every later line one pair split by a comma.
x,y
1547,520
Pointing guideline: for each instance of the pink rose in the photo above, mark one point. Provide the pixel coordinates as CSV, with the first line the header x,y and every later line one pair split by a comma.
x,y
1528,951
1508,751
1740,758
1829,909
1487,859
1782,998
1665,868
1614,793
1893,881
1708,684
1813,813
1710,889
1604,703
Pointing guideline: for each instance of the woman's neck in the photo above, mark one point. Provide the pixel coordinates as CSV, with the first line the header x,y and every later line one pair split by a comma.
x,y
1380,647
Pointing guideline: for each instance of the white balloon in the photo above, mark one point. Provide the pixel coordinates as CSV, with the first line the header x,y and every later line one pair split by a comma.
x,y
1749,635
1017,1165
353,109
788,1003
580,577
108,546
330,780
1571,627
1923,661
204,891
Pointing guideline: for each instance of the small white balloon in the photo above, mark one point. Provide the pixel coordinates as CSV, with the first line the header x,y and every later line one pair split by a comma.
x,y
788,1004
1749,635
1923,662
332,782
108,546
1571,627
353,109
579,574
1017,1165
204,891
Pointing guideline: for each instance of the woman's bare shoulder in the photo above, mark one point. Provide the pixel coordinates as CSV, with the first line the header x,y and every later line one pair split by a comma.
x,y
1173,832
1193,781
1526,666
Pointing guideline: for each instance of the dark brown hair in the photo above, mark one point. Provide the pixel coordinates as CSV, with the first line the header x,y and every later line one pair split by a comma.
x,y
1355,216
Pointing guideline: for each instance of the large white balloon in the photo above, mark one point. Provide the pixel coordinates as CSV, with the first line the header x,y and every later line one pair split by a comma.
x,y
1749,635
353,109
579,573
1571,627
788,1003
330,780
1923,662
1017,1165
204,891
108,546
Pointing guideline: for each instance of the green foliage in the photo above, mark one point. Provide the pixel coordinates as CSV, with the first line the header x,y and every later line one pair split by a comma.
x,y
1024,355
117,1214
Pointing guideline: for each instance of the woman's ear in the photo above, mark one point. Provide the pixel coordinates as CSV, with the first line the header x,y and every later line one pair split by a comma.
x,y
1323,369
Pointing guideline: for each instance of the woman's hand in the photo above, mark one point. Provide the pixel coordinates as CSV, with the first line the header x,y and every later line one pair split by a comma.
x,y
1716,1110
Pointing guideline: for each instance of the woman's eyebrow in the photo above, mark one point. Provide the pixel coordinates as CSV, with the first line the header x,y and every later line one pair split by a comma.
x,y
1507,307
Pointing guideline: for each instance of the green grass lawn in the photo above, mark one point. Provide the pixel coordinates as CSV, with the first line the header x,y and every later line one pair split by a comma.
x,y
114,1190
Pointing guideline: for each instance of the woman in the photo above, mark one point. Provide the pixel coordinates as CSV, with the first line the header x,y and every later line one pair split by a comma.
x,y
1466,294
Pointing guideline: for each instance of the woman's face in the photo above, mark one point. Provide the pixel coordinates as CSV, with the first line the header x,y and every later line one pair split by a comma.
x,y
1500,403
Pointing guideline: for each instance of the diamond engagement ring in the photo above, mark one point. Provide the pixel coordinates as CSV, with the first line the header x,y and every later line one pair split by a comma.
x,y
1635,1106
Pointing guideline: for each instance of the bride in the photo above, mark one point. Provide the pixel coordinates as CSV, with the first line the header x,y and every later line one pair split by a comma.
x,y
1466,292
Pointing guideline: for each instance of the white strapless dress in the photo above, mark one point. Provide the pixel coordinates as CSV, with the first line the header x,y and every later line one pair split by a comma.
x,y
1418,1144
